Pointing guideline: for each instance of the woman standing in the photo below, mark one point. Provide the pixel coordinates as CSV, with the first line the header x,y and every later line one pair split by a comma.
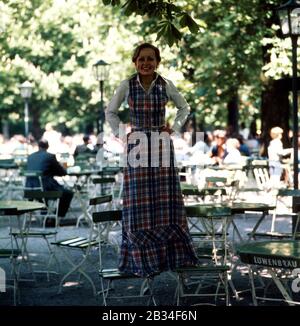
x,y
155,234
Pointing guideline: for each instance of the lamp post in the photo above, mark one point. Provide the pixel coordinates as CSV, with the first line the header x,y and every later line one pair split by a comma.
x,y
26,91
289,15
101,74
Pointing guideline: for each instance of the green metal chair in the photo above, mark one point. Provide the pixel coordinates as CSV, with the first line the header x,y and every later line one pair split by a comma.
x,y
212,249
283,195
110,275
11,254
51,200
84,245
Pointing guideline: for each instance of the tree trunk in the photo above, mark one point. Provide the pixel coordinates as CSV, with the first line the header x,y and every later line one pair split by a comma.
x,y
36,125
275,111
233,113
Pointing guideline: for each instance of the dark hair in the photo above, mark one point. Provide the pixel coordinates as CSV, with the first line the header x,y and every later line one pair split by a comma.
x,y
142,46
86,138
43,143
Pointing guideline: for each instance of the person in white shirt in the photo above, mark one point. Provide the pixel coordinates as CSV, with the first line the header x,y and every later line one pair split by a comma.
x,y
233,154
122,94
155,234
275,151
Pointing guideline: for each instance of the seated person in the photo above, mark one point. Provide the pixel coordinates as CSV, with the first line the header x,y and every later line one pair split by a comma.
x,y
48,164
243,148
85,148
275,152
218,151
233,154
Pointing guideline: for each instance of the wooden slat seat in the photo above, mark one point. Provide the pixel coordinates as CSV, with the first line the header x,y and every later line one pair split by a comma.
x,y
7,253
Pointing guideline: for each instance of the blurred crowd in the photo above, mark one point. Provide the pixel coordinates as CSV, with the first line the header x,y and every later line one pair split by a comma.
x,y
58,144
212,147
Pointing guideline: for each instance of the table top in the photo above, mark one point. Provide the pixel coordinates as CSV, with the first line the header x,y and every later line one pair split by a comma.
x,y
8,166
191,190
82,173
239,207
17,207
277,254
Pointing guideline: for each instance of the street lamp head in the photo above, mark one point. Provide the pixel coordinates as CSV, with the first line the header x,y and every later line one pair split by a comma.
x,y
289,16
26,89
100,69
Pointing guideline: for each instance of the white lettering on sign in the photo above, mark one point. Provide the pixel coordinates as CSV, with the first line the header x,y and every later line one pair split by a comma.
x,y
274,262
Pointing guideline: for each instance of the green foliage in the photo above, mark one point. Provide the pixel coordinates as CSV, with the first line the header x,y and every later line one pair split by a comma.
x,y
228,46
54,45
166,14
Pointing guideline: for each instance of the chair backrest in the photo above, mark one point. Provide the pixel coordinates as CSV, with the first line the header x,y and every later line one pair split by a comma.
x,y
105,186
261,174
103,180
38,194
107,216
100,200
36,176
45,197
289,192
7,163
189,190
281,195
84,160
8,211
105,221
109,170
32,173
216,181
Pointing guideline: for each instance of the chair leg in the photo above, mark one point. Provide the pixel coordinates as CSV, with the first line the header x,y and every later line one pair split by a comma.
x,y
147,286
226,289
253,291
16,283
74,269
52,255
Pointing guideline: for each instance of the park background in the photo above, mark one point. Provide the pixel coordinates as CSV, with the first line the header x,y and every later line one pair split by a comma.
x,y
226,57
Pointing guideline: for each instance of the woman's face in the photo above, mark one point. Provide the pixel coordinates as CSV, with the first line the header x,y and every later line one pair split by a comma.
x,y
146,62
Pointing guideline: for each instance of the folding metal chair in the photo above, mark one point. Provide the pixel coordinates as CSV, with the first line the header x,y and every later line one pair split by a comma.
x,y
260,170
83,244
109,276
51,201
103,186
281,198
11,254
35,175
212,249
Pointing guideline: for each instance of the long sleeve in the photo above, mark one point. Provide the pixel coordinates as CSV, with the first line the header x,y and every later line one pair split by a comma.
x,y
111,113
183,108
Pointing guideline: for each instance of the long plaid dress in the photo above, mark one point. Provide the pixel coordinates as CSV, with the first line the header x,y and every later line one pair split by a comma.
x,y
155,234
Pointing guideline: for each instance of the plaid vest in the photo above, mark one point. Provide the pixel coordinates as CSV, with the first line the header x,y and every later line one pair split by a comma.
x,y
147,109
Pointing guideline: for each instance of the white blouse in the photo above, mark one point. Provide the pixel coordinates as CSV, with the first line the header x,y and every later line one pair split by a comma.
x,y
122,92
